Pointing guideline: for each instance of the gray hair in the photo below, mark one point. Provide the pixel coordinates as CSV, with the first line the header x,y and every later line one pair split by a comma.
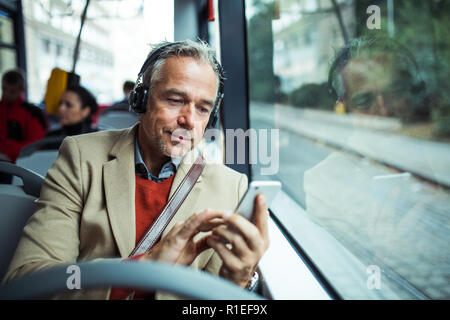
x,y
200,51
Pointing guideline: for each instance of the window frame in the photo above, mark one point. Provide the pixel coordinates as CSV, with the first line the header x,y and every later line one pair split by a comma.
x,y
235,113
288,218
14,11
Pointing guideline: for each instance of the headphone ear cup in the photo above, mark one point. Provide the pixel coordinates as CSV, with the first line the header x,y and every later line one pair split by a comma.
x,y
144,100
132,100
138,100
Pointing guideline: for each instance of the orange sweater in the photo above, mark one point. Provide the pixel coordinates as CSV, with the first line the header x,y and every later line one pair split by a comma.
x,y
151,197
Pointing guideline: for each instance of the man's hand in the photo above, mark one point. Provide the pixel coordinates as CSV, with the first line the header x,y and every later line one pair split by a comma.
x,y
248,243
178,245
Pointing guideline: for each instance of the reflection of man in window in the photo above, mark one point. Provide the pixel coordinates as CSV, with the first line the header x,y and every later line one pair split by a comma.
x,y
377,77
385,217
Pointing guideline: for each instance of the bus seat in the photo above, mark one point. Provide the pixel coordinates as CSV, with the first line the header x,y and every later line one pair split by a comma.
x,y
117,120
47,143
17,207
39,155
39,162
32,182
148,276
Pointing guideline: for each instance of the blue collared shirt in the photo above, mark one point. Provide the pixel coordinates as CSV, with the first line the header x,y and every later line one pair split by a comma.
x,y
168,169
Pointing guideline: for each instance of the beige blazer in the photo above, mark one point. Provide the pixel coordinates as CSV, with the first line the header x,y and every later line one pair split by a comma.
x,y
86,209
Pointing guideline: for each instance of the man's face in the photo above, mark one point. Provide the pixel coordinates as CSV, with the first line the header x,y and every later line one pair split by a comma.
x,y
179,106
10,92
374,86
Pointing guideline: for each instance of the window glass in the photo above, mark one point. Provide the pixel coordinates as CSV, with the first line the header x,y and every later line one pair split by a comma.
x,y
114,42
359,93
6,28
8,59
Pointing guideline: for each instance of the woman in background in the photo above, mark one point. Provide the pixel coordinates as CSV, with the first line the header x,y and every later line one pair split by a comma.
x,y
76,107
75,110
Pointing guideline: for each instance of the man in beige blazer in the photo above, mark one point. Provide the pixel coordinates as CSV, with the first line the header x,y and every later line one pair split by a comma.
x,y
86,209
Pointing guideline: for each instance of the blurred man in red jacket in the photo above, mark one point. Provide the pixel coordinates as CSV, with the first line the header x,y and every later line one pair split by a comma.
x,y
20,122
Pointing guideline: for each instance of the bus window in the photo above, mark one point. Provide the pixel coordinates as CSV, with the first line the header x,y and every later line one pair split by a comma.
x,y
115,38
360,98
8,54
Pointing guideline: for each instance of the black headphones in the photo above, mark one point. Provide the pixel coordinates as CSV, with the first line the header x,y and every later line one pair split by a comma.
x,y
139,96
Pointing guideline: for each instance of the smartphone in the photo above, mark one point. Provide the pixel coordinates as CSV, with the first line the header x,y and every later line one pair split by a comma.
x,y
270,190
